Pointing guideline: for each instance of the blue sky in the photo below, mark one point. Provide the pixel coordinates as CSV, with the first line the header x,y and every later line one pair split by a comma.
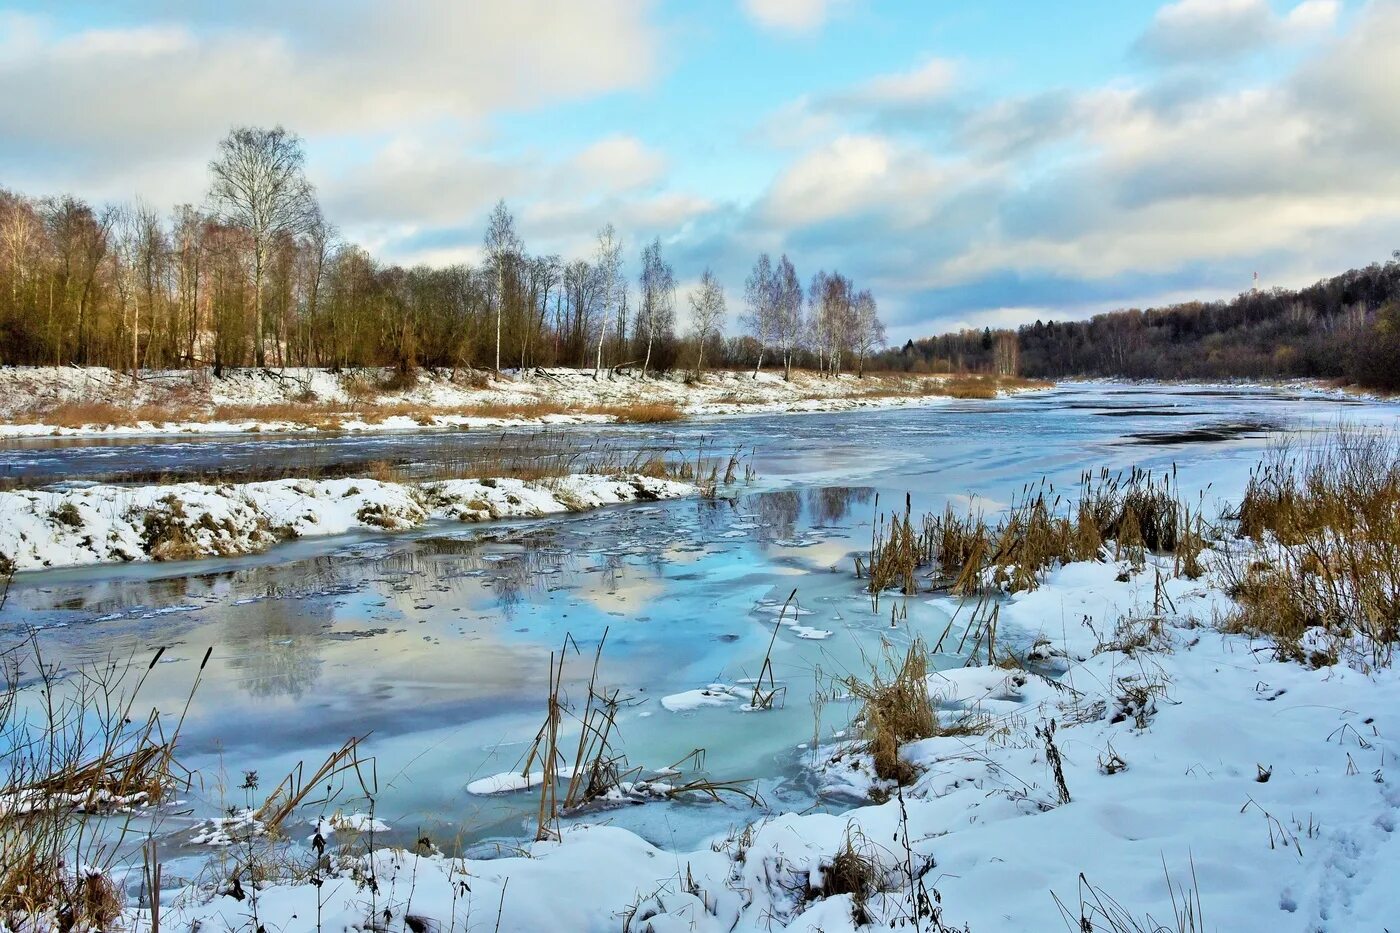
x,y
973,163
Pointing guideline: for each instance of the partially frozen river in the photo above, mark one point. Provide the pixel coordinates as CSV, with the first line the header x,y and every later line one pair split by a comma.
x,y
436,643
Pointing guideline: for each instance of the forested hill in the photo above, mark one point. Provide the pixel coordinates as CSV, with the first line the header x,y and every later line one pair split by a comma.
x,y
1346,327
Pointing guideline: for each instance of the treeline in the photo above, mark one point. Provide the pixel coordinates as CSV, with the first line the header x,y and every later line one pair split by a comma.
x,y
257,276
1346,328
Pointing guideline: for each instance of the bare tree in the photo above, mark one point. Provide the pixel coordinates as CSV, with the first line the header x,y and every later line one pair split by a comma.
x,y
707,311
787,315
259,184
608,268
761,299
503,248
189,247
656,315
867,330
831,300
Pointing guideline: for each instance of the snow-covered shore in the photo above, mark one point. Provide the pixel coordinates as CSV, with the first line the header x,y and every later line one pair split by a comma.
x,y
39,401
1195,768
98,524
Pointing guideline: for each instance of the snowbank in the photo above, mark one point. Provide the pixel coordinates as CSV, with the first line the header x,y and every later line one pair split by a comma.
x,y
1190,761
99,524
37,401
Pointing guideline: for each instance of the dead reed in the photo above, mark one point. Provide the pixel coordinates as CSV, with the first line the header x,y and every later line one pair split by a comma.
x,y
78,763
896,708
1122,515
1325,524
598,773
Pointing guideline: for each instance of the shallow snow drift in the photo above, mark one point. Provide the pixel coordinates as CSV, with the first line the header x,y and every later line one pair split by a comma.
x,y
98,524
1191,760
293,399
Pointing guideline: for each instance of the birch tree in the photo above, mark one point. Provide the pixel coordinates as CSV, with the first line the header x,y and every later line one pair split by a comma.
x,y
868,331
707,311
657,311
608,266
503,248
259,185
787,313
761,301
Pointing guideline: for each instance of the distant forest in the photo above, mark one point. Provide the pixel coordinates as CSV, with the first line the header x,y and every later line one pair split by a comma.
x,y
257,276
1345,328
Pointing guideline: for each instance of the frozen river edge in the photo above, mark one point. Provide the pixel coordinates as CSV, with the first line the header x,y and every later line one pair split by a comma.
x,y
1194,769
181,521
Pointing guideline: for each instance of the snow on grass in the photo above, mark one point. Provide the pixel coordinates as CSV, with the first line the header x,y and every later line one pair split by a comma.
x,y
37,401
1191,759
97,524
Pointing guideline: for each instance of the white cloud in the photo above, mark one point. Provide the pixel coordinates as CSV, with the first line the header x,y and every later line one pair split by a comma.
x,y
925,84
1212,30
618,163
111,96
1111,185
790,16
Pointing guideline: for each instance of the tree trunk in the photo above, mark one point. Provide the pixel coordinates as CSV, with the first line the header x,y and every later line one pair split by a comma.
x,y
258,356
759,366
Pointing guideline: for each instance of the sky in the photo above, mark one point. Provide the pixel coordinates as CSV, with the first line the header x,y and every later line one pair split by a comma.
x,y
972,162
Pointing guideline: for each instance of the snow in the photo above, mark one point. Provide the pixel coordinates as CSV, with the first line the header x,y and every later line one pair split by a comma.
x,y
1192,759
104,523
512,781
713,695
194,398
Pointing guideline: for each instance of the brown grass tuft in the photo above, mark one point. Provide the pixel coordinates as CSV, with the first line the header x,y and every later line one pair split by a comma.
x,y
1326,527
897,709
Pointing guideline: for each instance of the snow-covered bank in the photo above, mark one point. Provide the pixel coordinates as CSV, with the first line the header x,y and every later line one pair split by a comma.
x,y
41,401
100,524
1190,760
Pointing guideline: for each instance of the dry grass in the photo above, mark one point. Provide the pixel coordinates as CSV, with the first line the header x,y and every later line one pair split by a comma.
x,y
1326,528
641,412
1134,513
855,871
987,386
970,387
103,414
896,709
74,749
897,551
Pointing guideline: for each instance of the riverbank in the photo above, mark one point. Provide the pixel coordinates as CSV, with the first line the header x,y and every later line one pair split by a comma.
x,y
62,401
1141,763
184,521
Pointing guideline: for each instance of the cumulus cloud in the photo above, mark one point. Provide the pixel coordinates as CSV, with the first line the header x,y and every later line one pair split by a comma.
x,y
928,83
425,198
790,16
1214,30
1118,191
117,95
896,101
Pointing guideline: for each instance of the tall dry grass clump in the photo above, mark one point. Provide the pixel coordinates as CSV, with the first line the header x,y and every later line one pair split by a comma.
x,y
896,708
1326,526
77,764
641,412
897,550
1121,515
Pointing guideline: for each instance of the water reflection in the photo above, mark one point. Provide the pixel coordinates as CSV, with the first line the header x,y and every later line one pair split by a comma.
x,y
274,647
438,641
